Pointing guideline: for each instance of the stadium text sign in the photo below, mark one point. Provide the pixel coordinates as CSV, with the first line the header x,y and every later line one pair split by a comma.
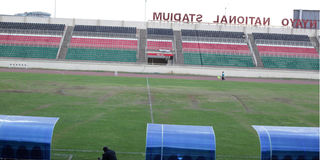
x,y
177,17
261,21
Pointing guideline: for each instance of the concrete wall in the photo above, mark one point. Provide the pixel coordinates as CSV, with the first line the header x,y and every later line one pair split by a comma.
x,y
157,24
141,68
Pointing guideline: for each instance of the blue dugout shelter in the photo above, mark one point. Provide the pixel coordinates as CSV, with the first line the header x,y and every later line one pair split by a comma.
x,y
180,142
288,143
24,137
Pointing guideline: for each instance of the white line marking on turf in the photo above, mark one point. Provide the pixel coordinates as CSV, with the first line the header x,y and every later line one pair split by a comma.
x,y
150,102
70,157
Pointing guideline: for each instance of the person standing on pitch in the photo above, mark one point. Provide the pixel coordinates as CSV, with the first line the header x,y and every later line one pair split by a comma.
x,y
108,154
222,77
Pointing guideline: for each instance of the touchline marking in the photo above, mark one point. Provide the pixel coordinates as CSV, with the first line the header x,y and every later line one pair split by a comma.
x,y
150,102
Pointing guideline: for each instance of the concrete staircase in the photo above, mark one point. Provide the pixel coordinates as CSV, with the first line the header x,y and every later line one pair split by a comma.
x,y
142,41
253,48
177,43
315,43
63,48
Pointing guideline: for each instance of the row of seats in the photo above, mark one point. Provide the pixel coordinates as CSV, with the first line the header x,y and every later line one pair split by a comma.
x,y
277,49
290,62
189,46
218,59
203,33
32,26
290,51
108,29
285,37
159,31
29,40
28,52
283,43
215,48
104,43
159,45
101,55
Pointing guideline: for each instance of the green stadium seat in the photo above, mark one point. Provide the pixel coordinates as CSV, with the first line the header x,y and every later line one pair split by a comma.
x,y
218,60
101,55
28,52
290,62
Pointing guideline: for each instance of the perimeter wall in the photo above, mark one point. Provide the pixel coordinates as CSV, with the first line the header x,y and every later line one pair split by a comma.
x,y
160,69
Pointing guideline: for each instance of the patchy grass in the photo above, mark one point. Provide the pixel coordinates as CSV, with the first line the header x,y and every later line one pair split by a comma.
x,y
96,111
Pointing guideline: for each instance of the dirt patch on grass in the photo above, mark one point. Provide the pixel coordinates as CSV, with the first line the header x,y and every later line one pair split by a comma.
x,y
80,123
37,108
241,102
194,102
44,106
163,113
292,104
105,97
61,91
18,91
283,100
78,87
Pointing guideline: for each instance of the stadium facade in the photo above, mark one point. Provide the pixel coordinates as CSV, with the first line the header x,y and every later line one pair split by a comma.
x,y
156,42
313,15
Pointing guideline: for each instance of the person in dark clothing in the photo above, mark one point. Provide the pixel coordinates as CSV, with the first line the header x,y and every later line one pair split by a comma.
x,y
222,77
108,154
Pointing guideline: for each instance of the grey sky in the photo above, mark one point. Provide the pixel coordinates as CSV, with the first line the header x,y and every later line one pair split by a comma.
x,y
134,9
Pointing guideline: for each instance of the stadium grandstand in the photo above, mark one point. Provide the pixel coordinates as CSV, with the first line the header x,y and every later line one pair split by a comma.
x,y
159,43
51,67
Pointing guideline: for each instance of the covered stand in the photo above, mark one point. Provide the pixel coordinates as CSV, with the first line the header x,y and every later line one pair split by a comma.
x,y
288,143
180,142
24,137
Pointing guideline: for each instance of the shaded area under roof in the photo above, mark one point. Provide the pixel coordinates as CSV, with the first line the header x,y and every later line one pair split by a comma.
x,y
166,142
278,142
26,137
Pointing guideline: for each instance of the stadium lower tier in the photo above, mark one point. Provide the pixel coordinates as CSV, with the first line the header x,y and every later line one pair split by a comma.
x,y
218,59
101,55
28,52
290,63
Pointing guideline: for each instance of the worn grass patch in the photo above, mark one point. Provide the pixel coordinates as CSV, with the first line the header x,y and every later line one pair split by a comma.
x,y
96,111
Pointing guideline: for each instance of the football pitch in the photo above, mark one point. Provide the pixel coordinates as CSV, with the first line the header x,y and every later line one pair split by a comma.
x,y
97,111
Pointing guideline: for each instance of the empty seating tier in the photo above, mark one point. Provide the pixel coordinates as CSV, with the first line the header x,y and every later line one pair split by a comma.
x,y
28,52
287,51
103,43
159,42
284,37
215,48
290,62
101,55
220,34
107,29
30,40
158,45
32,26
218,59
159,31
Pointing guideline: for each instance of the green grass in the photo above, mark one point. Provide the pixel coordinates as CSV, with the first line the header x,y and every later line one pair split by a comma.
x,y
96,111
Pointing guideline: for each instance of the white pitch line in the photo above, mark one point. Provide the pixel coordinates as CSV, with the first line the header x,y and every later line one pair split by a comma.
x,y
150,102
70,157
